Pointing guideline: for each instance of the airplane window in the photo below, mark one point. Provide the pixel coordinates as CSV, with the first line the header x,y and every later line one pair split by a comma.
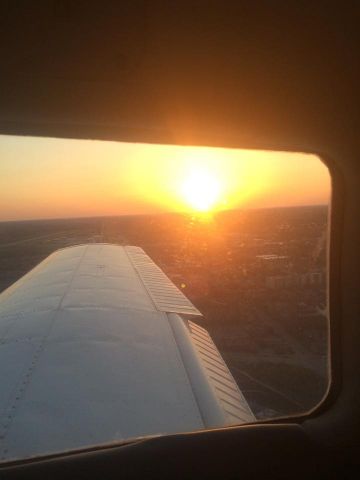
x,y
153,289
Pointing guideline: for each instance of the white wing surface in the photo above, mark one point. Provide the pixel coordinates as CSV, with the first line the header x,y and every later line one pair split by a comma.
x,y
96,347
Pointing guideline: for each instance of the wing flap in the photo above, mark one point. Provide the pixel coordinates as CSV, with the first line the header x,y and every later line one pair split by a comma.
x,y
165,295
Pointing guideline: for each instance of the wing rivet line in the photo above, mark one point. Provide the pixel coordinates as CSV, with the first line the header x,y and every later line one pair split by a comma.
x,y
22,384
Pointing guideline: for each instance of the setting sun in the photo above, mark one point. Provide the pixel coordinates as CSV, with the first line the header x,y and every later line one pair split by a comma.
x,y
201,190
113,178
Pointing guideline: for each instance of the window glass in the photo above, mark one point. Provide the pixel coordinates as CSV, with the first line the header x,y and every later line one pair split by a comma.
x,y
180,288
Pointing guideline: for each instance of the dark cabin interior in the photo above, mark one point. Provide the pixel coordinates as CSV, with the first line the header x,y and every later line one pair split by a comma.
x,y
266,75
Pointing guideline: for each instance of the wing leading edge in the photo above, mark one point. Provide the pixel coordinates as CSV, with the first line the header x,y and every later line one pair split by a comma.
x,y
98,346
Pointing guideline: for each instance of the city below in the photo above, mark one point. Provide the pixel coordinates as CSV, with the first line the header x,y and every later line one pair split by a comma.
x,y
258,277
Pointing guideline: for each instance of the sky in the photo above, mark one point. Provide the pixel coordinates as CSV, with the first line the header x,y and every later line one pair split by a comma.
x,y
61,178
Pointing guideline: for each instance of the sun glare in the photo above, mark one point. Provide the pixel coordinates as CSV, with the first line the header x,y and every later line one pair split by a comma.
x,y
113,178
201,190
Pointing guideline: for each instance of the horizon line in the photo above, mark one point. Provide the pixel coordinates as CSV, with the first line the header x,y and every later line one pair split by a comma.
x,y
39,219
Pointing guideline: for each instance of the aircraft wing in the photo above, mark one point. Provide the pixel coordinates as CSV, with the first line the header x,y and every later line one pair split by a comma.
x,y
99,346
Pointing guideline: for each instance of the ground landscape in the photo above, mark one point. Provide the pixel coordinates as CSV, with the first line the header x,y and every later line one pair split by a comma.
x,y
258,276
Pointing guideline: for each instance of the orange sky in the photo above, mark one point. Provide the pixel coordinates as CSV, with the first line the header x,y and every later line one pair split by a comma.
x,y
51,178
